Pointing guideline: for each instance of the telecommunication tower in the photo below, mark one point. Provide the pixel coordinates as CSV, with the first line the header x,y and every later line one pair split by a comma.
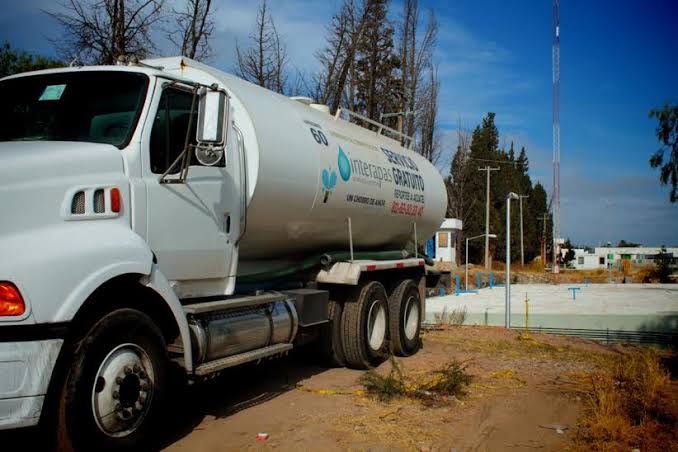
x,y
556,134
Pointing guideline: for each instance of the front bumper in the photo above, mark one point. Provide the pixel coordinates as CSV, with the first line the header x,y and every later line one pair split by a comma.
x,y
25,370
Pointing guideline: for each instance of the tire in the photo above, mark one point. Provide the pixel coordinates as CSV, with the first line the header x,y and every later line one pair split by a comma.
x,y
404,313
120,367
364,326
331,346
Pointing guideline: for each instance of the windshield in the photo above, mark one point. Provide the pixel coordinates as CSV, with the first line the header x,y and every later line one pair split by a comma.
x,y
94,106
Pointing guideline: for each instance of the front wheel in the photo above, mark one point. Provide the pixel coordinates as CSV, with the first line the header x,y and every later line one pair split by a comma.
x,y
113,394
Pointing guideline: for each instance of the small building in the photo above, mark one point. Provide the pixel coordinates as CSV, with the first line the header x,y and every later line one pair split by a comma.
x,y
605,256
445,240
639,255
585,260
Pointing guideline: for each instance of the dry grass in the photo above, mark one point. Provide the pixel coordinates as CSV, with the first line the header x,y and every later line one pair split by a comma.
x,y
449,381
646,274
535,267
630,404
517,346
455,318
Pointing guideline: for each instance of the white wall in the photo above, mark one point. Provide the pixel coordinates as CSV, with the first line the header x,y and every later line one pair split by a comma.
x,y
638,255
445,250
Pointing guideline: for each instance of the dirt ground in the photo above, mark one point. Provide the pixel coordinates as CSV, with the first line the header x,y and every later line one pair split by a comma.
x,y
524,396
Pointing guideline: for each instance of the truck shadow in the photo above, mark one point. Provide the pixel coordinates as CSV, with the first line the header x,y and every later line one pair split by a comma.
x,y
238,389
235,390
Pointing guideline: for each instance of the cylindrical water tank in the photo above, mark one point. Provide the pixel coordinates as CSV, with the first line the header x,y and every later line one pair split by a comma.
x,y
309,171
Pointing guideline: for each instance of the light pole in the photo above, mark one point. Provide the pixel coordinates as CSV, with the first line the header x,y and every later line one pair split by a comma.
x,y
522,250
507,285
489,236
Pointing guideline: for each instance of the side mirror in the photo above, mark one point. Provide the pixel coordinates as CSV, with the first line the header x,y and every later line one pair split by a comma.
x,y
212,118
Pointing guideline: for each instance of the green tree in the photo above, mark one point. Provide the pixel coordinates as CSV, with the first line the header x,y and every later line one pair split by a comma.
x,y
378,85
467,187
569,254
667,134
483,151
13,61
538,202
624,244
662,265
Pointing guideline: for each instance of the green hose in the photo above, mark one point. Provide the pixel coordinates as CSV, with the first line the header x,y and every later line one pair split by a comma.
x,y
325,259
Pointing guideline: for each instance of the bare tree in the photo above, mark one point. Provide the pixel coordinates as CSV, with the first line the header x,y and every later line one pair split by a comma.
x,y
416,53
100,31
335,84
461,196
264,62
427,120
192,29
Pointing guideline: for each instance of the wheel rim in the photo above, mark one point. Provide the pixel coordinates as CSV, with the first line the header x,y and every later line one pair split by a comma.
x,y
123,390
411,317
376,325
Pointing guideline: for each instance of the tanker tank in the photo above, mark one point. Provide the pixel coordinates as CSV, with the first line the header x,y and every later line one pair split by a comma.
x,y
308,172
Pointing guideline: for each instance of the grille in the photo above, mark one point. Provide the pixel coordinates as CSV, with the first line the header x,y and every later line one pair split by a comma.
x,y
78,204
99,203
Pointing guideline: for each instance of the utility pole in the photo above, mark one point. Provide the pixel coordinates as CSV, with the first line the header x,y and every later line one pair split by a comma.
x,y
487,216
522,250
543,219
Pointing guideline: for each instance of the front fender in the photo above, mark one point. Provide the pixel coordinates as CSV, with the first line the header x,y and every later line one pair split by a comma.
x,y
159,283
68,262
73,260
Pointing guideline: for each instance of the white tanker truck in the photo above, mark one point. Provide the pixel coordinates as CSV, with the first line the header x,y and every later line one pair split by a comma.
x,y
165,215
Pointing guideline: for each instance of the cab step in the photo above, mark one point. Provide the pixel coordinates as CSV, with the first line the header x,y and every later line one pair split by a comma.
x,y
235,360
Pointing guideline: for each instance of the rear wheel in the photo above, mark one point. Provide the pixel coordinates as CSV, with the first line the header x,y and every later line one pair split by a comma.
x,y
113,394
331,345
365,325
405,318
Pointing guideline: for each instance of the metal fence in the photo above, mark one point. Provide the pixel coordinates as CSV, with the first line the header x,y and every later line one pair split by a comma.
x,y
613,336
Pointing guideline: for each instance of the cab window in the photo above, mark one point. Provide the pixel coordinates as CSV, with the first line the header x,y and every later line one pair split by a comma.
x,y
170,126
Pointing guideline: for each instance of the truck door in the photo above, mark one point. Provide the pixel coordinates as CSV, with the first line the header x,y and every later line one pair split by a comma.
x,y
191,226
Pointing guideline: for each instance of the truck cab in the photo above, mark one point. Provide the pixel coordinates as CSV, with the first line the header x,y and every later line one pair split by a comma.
x,y
124,192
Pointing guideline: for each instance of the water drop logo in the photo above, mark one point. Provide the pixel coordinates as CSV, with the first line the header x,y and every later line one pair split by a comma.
x,y
344,165
329,178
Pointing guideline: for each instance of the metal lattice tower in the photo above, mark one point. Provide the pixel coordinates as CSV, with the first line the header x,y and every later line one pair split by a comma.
x,y
556,133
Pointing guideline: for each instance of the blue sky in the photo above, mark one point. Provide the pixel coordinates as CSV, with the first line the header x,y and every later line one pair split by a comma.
x,y
617,62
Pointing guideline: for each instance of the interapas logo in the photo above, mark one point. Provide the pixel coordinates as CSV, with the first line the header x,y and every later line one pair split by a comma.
x,y
329,175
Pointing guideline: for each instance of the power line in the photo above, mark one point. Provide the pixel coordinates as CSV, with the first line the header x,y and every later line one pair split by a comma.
x,y
501,162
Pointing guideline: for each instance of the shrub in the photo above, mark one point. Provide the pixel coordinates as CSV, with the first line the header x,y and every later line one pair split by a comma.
x,y
456,317
450,380
384,387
